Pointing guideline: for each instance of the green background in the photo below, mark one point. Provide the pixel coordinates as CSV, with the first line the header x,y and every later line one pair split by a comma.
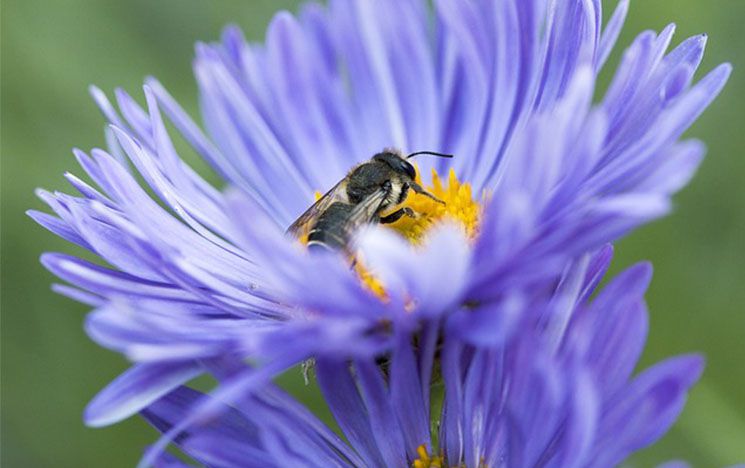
x,y
51,51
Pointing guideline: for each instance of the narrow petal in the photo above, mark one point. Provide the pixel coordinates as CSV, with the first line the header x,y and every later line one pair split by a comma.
x,y
229,440
611,32
639,416
347,407
406,396
135,389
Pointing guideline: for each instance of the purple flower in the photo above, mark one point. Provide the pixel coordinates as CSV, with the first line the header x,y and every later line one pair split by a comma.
x,y
559,392
490,289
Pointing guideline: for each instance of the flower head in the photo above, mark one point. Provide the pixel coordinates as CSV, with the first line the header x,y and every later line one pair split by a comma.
x,y
559,392
490,286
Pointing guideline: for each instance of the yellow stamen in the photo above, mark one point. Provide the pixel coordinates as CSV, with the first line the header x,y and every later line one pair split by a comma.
x,y
459,207
369,280
425,460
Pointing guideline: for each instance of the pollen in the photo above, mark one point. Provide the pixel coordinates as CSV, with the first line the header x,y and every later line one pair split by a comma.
x,y
459,207
369,280
425,460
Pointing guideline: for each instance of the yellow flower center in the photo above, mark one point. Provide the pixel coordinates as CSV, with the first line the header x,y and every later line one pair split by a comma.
x,y
369,280
459,207
425,460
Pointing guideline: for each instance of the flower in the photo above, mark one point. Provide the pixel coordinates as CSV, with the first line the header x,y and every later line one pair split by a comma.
x,y
564,398
542,179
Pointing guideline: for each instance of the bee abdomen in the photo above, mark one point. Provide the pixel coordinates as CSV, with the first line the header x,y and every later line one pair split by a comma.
x,y
329,230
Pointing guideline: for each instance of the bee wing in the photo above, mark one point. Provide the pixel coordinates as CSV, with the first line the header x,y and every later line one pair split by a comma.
x,y
365,211
302,224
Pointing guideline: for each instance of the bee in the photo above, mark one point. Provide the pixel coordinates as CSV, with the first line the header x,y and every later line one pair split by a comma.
x,y
363,196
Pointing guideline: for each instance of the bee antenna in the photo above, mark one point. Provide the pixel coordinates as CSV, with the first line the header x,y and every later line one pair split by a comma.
x,y
432,153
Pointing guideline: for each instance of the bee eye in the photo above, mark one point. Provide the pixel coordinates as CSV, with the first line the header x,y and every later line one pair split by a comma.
x,y
396,163
409,169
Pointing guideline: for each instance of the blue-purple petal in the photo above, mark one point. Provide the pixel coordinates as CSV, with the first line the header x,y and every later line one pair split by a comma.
x,y
137,388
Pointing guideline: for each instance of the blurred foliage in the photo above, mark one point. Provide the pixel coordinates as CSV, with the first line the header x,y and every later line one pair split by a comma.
x,y
51,51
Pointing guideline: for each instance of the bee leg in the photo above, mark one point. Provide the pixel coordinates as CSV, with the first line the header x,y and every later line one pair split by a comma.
x,y
396,215
418,189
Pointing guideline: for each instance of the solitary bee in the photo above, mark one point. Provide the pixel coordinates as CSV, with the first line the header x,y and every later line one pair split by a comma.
x,y
362,197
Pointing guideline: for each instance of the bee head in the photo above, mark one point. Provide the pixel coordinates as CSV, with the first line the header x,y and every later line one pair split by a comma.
x,y
397,163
